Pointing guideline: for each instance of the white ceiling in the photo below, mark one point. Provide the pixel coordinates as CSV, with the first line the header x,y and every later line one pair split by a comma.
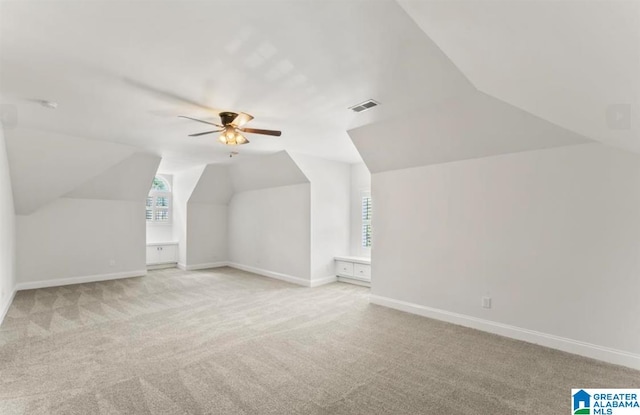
x,y
473,126
128,180
122,71
214,186
277,169
573,63
45,166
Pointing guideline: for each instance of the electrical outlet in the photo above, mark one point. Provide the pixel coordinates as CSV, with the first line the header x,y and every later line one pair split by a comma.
x,y
486,302
112,262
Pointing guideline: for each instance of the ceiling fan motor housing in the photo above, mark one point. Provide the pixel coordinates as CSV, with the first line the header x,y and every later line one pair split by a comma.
x,y
227,117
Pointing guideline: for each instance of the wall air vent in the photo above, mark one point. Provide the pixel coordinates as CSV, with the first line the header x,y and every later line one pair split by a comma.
x,y
363,106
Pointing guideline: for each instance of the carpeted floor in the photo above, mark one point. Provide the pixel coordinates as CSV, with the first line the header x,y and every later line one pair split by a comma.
x,y
224,341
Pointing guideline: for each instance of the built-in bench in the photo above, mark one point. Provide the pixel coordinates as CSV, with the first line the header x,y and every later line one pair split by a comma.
x,y
354,270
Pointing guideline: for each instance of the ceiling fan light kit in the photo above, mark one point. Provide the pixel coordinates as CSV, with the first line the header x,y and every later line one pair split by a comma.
x,y
231,128
231,137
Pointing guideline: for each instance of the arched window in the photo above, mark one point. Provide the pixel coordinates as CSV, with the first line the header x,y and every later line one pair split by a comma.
x,y
159,201
160,185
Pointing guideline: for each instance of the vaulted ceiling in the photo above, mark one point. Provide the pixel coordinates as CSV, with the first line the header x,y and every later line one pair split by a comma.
x,y
456,79
122,71
575,64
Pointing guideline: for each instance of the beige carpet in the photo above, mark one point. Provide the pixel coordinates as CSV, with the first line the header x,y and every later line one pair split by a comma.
x,y
228,342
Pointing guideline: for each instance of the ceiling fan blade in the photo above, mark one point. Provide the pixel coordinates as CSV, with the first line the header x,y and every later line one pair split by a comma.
x,y
242,119
240,139
259,131
202,121
206,132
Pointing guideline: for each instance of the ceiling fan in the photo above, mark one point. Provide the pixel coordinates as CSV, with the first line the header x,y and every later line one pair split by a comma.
x,y
231,127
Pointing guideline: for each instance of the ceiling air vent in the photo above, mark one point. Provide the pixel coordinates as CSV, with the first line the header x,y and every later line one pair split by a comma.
x,y
363,106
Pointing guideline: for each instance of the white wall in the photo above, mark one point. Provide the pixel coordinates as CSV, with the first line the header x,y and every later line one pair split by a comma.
x,y
553,236
206,218
160,233
183,184
79,238
269,217
214,186
214,225
206,234
269,229
96,230
330,189
360,182
7,231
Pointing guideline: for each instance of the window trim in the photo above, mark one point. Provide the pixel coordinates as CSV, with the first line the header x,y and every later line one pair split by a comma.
x,y
154,195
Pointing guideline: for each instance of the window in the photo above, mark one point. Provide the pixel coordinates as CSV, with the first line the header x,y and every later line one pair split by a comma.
x,y
162,215
162,201
160,185
159,201
366,221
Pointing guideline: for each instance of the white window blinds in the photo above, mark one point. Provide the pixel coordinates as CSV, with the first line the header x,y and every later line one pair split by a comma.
x,y
366,221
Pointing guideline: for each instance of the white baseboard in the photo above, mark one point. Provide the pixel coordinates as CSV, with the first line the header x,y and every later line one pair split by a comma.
x,y
152,267
593,351
202,266
78,280
271,274
316,282
354,281
265,273
4,308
